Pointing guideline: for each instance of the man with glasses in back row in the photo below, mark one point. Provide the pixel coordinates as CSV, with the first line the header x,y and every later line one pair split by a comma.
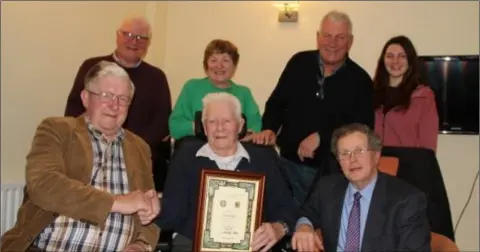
x,y
150,108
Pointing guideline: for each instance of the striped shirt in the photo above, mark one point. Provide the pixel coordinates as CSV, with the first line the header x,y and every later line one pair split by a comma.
x,y
109,174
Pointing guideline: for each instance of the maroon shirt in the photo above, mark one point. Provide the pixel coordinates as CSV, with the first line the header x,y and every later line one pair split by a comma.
x,y
151,105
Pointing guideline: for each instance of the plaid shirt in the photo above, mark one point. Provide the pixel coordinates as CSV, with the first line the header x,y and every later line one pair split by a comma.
x,y
109,174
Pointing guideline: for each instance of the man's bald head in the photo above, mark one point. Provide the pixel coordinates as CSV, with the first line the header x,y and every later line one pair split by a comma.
x,y
136,21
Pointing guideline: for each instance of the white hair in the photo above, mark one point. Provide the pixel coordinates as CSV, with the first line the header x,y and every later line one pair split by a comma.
x,y
222,97
338,16
137,19
104,69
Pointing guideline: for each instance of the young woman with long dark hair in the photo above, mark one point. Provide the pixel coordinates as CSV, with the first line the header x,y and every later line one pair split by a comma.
x,y
405,109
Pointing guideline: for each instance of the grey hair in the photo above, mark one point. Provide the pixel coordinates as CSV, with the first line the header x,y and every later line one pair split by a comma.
x,y
374,142
222,97
137,19
338,16
105,69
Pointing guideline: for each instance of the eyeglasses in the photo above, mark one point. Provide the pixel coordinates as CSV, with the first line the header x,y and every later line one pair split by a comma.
x,y
132,36
357,153
103,97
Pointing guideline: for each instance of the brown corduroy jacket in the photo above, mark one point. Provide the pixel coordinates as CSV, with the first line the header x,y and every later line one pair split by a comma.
x,y
58,172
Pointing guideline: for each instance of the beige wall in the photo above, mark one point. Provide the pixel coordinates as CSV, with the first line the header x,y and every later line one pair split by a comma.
x,y
43,44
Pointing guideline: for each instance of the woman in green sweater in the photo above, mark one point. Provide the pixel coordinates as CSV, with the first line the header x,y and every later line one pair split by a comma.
x,y
219,62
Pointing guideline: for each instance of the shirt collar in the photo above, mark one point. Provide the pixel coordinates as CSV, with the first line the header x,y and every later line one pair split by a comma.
x,y
366,192
207,151
117,59
99,135
320,65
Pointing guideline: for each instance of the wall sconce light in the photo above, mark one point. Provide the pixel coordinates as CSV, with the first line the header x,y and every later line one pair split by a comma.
x,y
287,11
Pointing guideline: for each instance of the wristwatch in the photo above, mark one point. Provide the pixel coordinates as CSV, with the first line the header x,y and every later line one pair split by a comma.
x,y
285,227
147,246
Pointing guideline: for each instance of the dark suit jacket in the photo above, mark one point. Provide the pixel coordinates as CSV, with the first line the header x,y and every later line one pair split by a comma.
x,y
420,168
58,172
396,221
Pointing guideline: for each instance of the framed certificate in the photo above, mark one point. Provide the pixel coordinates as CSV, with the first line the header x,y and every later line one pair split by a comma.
x,y
229,210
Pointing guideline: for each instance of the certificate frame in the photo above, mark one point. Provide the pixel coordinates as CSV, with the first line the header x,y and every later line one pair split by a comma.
x,y
211,182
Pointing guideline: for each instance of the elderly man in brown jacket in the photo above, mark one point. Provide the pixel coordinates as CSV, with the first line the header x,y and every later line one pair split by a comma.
x,y
89,181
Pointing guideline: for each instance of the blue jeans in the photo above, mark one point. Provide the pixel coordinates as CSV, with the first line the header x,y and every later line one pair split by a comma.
x,y
300,177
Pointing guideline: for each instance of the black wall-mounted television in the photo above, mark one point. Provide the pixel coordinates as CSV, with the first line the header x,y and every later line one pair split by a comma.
x,y
455,82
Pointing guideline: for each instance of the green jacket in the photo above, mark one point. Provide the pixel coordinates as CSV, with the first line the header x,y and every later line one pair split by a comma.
x,y
190,101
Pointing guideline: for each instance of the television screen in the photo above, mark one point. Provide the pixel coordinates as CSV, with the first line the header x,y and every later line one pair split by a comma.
x,y
455,81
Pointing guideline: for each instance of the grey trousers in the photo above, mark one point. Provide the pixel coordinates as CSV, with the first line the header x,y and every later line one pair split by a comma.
x,y
181,244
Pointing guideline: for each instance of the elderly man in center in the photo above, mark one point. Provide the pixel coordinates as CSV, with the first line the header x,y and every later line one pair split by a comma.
x,y
222,122
89,183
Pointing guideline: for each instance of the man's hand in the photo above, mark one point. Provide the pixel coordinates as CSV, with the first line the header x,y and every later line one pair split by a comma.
x,y
306,239
266,137
135,247
266,236
131,203
248,137
308,146
147,216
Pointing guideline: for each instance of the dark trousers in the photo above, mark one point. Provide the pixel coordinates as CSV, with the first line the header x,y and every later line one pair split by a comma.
x,y
181,244
300,179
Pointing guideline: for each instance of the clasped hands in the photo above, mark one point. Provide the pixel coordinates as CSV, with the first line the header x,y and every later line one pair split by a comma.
x,y
146,205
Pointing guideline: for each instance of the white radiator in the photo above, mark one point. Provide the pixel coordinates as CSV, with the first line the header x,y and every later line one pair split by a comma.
x,y
12,196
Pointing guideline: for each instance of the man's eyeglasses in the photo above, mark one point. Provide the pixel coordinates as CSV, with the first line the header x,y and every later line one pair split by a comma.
x,y
357,153
132,36
103,97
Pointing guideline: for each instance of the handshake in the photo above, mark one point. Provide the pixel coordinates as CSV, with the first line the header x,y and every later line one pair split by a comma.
x,y
146,205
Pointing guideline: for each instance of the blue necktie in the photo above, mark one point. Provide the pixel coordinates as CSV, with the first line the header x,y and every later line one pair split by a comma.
x,y
353,229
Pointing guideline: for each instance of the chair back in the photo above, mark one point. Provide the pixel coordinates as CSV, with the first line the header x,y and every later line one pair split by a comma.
x,y
442,243
389,165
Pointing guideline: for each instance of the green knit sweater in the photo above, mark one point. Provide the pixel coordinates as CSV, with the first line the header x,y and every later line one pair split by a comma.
x,y
190,101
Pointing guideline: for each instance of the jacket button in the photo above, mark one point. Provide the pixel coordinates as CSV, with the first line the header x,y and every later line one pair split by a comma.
x,y
55,215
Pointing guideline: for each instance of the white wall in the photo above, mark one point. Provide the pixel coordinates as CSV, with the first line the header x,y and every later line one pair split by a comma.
x,y
265,46
44,43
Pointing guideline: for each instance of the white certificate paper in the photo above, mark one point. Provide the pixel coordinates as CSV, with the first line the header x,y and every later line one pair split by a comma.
x,y
230,213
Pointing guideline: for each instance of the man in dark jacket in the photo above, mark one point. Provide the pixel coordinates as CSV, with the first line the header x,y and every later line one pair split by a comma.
x,y
318,91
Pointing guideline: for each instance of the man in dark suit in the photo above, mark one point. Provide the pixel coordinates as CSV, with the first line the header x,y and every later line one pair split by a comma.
x,y
365,210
